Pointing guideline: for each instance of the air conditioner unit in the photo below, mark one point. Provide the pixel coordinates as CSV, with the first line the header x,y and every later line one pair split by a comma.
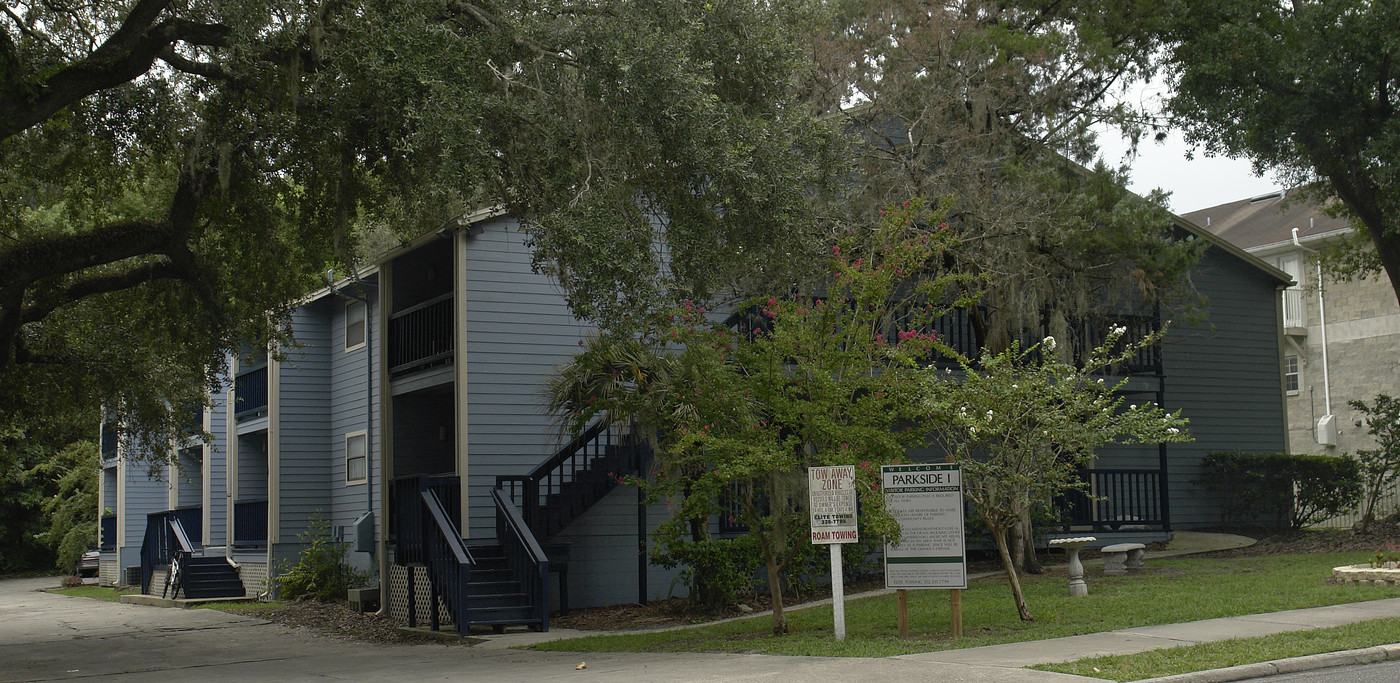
x,y
1327,430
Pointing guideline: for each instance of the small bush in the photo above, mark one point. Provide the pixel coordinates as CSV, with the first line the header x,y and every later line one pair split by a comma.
x,y
1283,489
321,571
715,570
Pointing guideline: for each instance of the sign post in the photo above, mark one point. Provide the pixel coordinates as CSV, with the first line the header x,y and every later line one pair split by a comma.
x,y
831,501
927,502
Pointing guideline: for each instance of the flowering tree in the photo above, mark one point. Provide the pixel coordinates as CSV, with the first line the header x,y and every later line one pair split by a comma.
x,y
1022,422
808,381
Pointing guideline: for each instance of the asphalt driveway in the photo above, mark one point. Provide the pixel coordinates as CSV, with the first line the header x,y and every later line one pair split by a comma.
x,y
49,637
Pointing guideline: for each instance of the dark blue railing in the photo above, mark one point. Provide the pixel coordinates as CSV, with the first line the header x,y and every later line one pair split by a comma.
x,y
109,441
406,523
250,523
561,488
448,561
421,335
168,533
523,555
1117,499
107,533
250,393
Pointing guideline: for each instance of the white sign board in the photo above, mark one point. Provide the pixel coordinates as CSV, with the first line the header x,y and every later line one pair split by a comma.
x,y
831,499
927,501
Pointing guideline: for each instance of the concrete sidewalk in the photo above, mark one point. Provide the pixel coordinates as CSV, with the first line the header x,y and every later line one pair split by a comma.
x,y
1013,657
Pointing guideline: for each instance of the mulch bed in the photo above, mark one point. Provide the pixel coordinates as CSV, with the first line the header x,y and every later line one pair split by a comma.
x,y
337,620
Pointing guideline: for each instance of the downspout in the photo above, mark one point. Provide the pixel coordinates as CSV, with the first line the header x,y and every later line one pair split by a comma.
x,y
369,386
1322,322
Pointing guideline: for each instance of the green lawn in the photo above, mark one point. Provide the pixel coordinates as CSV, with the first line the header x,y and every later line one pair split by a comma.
x,y
1170,591
1185,659
106,593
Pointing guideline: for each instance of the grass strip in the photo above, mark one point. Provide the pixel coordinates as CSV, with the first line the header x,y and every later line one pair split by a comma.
x,y
1189,658
104,593
1170,591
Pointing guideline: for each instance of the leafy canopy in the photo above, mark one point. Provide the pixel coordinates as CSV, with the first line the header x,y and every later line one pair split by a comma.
x,y
1307,89
174,175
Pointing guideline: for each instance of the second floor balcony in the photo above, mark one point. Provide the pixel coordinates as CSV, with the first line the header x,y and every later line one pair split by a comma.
x,y
250,393
420,336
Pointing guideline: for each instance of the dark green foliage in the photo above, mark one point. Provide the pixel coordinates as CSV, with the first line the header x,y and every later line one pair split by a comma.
x,y
716,570
166,198
1281,489
71,512
320,572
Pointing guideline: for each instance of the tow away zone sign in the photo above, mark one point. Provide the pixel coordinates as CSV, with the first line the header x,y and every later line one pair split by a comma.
x,y
831,498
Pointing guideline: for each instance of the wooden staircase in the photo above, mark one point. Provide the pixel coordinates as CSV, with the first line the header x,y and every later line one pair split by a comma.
x,y
505,583
210,577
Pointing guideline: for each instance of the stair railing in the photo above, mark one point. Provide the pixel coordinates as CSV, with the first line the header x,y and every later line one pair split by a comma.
x,y
448,561
523,555
181,550
595,460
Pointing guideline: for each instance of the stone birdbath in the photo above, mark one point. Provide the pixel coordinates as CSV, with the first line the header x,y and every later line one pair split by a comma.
x,y
1077,587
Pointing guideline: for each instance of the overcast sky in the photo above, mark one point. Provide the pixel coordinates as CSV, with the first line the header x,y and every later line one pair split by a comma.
x,y
1196,184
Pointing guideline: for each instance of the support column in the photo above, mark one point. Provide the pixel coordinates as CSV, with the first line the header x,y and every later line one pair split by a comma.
x,y
459,370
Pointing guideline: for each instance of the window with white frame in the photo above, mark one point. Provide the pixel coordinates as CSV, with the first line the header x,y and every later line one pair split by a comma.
x,y
354,325
356,457
1291,379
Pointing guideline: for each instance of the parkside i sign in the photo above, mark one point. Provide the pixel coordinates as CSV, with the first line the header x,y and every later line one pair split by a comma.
x,y
831,500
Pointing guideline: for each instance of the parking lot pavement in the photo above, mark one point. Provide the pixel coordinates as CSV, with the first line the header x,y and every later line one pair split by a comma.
x,y
48,637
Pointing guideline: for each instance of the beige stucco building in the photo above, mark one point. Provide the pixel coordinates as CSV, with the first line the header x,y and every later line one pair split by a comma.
x,y
1354,355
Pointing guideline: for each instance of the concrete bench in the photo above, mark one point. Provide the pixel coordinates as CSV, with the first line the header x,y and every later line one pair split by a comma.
x,y
1119,558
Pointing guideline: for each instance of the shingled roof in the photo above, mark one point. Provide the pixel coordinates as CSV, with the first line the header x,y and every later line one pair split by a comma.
x,y
1265,220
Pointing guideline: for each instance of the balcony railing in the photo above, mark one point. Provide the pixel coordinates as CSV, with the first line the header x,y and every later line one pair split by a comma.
x,y
1293,307
420,336
108,533
1118,500
109,441
250,523
250,393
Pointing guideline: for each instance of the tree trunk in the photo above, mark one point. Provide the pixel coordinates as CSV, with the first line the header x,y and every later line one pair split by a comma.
x,y
1030,563
775,593
1021,609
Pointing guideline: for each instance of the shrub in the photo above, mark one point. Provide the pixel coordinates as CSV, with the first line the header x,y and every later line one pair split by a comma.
x,y
1283,489
715,570
1381,465
320,572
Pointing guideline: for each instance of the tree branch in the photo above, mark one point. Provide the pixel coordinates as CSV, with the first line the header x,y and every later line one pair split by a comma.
x,y
491,23
100,284
206,69
29,261
125,55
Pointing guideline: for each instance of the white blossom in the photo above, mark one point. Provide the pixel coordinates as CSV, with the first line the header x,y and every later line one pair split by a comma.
x,y
1118,329
1048,343
1173,430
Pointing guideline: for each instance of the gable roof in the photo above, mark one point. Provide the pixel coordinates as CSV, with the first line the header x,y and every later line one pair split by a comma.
x,y
1266,221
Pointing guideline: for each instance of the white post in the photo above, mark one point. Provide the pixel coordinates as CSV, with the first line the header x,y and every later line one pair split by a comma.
x,y
838,592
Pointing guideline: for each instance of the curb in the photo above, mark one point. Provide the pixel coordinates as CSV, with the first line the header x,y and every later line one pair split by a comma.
x,y
1368,655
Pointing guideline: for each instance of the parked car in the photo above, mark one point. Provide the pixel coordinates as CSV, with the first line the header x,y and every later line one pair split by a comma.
x,y
87,564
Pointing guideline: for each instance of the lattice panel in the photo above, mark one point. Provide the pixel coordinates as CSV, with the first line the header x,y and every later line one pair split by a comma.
x,y
254,577
422,591
108,573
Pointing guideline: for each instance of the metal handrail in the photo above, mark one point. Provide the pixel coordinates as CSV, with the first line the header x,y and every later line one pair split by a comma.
x,y
523,554
449,562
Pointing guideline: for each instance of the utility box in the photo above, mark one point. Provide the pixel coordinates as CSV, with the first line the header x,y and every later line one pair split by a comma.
x,y
364,533
1327,430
